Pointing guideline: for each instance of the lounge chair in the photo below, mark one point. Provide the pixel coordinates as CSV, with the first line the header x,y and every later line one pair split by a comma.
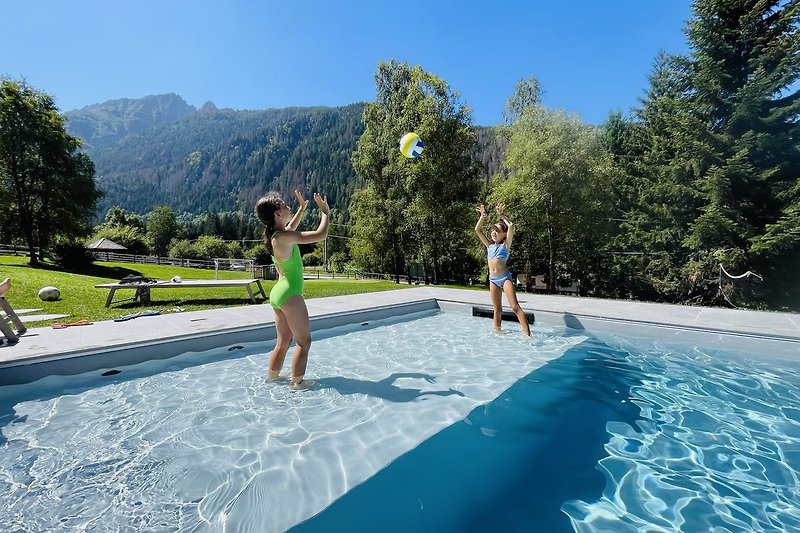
x,y
10,315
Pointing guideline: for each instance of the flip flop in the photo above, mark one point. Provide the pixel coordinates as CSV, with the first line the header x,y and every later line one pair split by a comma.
x,y
150,312
62,325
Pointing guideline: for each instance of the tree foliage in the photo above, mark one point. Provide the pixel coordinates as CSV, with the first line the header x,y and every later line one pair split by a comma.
x,y
215,160
653,167
131,237
716,145
48,184
743,76
412,211
554,190
162,228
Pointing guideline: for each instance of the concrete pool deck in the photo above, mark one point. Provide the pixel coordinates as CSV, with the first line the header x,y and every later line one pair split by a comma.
x,y
752,331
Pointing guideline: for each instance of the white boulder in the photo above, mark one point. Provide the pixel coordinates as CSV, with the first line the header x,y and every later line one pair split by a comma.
x,y
49,294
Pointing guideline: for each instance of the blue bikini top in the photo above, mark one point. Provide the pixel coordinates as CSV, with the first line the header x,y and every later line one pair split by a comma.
x,y
497,251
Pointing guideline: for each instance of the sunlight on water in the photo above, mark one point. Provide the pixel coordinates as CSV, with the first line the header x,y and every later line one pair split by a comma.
x,y
717,446
178,445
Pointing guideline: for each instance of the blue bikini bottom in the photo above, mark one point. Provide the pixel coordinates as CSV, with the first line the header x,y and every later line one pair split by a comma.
x,y
499,280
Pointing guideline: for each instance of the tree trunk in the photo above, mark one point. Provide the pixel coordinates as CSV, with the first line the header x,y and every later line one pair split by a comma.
x,y
397,265
551,260
437,275
34,261
24,213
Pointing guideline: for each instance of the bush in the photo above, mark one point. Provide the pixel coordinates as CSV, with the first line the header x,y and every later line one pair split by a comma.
x,y
183,250
312,259
258,254
235,250
209,247
130,237
337,261
72,255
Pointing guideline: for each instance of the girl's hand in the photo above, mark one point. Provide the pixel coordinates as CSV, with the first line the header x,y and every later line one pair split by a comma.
x,y
303,203
481,210
500,210
322,203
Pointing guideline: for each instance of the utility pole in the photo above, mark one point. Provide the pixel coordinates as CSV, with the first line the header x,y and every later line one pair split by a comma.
x,y
325,253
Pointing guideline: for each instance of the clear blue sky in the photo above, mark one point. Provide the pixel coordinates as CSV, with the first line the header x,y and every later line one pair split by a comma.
x,y
591,56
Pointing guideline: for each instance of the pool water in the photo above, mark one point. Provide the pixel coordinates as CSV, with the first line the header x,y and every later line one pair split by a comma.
x,y
428,423
617,435
200,443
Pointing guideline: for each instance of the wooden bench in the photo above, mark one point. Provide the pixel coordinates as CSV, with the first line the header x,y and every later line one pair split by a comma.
x,y
185,284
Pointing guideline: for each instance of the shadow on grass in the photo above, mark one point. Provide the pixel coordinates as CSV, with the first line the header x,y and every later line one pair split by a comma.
x,y
100,271
103,271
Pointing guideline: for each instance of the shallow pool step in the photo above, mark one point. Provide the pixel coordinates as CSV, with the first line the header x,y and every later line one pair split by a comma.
x,y
507,315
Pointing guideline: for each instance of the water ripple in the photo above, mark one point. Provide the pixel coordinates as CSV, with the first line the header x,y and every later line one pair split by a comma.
x,y
717,446
202,443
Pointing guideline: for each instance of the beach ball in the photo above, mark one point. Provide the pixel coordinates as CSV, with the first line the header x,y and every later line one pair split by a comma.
x,y
411,145
49,294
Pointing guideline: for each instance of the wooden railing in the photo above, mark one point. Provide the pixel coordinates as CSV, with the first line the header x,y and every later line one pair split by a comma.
x,y
269,272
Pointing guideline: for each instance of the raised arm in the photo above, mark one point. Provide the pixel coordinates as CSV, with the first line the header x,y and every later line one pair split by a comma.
x,y
299,215
479,225
510,235
306,237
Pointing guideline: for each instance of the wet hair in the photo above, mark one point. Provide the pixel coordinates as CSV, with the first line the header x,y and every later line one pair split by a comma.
x,y
265,210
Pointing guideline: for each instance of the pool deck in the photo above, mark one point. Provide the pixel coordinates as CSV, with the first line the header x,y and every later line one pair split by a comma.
x,y
744,330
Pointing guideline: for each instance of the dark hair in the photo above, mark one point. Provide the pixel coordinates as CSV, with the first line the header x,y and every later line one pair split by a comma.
x,y
265,211
502,226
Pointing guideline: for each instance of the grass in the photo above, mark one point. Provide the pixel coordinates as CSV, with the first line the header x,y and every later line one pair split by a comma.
x,y
80,300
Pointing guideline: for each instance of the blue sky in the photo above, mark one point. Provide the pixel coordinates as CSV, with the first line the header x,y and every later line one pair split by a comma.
x,y
590,56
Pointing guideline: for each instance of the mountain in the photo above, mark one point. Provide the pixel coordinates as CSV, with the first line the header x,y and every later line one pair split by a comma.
x,y
165,152
224,160
104,124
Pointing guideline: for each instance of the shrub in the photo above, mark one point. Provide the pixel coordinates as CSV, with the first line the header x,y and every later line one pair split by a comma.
x,y
130,237
183,250
72,255
312,259
258,254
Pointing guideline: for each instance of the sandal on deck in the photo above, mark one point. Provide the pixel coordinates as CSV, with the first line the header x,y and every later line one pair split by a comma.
x,y
62,325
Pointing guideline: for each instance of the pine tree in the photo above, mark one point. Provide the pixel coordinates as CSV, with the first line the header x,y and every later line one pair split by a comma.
x,y
656,199
743,75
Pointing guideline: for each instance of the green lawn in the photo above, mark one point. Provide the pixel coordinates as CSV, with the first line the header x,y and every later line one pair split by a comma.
x,y
80,300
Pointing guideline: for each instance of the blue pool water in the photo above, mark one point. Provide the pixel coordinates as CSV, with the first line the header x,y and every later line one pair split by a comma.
x,y
430,424
616,435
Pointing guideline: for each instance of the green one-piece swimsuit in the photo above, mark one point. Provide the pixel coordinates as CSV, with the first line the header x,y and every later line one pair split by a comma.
x,y
291,280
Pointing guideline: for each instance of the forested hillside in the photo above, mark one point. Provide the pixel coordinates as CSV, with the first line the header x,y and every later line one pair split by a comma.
x,y
222,159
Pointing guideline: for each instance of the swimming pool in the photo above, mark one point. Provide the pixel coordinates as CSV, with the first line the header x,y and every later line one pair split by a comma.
x,y
410,429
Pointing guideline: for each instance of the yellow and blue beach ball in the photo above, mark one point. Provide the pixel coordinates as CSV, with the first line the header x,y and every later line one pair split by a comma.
x,y
411,145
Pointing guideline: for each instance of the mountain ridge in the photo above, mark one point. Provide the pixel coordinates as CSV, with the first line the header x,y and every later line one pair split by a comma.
x,y
105,123
159,150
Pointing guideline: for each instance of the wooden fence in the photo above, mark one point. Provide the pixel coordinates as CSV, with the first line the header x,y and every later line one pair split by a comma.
x,y
269,272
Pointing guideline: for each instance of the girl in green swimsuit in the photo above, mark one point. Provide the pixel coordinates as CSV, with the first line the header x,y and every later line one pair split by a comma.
x,y
286,297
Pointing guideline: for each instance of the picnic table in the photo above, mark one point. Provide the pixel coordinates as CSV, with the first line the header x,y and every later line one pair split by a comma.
x,y
185,284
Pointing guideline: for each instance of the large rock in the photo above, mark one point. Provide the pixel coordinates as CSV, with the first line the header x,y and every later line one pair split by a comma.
x,y
49,294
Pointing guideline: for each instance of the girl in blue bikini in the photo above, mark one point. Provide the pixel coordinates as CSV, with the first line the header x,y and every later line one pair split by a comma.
x,y
499,277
